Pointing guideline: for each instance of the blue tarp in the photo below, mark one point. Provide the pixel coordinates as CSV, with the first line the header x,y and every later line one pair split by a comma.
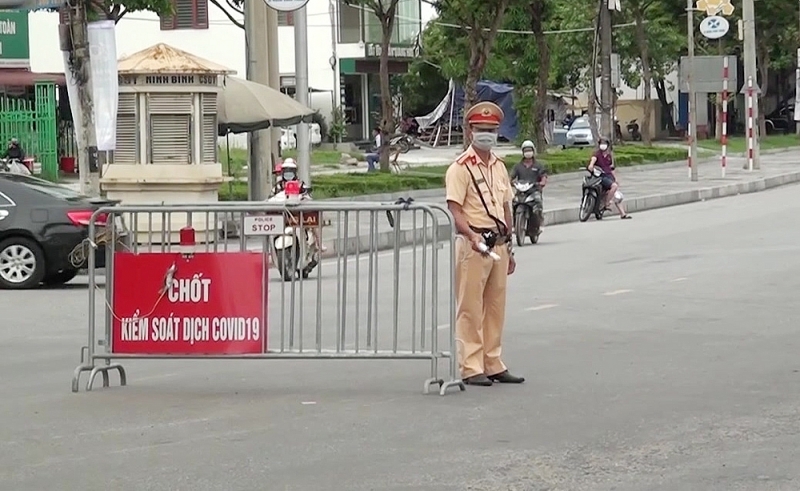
x,y
499,93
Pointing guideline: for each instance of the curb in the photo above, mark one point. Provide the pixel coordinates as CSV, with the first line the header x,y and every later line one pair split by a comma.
x,y
560,216
407,237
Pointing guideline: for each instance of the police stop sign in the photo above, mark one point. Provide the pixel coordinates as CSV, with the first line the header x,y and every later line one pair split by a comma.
x,y
264,225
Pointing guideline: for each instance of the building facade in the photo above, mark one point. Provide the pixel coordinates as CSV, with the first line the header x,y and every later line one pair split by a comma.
x,y
343,48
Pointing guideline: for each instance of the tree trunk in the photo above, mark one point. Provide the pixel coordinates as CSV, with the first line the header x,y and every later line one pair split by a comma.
x,y
480,44
537,8
387,108
80,64
666,107
647,76
477,61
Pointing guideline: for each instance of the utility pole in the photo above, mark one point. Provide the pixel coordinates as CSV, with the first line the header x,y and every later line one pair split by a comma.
x,y
80,64
301,91
691,93
274,82
255,32
748,19
606,90
797,88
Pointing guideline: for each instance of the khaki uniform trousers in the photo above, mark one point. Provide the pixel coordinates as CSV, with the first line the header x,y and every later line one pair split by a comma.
x,y
480,308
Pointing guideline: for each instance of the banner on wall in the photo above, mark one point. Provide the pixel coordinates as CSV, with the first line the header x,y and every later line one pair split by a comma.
x,y
105,85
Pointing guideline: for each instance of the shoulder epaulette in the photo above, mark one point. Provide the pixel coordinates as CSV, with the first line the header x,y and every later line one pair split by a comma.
x,y
466,158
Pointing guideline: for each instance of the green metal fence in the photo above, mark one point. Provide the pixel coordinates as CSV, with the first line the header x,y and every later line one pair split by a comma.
x,y
33,123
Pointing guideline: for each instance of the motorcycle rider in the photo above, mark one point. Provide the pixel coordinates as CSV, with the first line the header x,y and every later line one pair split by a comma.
x,y
14,151
603,160
288,172
529,170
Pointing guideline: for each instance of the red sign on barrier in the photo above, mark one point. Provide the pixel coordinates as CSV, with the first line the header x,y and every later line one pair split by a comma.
x,y
205,303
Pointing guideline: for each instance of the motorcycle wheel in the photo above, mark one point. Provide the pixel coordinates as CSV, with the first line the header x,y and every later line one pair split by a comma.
x,y
521,226
404,145
587,206
535,236
287,263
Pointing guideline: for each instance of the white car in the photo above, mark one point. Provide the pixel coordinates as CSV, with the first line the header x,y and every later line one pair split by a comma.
x,y
580,134
289,136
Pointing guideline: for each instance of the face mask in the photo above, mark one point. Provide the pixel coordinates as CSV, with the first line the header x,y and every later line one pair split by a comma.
x,y
527,155
289,176
484,140
603,147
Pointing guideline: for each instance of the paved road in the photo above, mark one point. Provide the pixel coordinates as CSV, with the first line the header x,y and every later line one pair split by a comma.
x,y
661,353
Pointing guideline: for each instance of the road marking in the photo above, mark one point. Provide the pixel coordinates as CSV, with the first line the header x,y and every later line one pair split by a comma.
x,y
541,307
616,292
678,279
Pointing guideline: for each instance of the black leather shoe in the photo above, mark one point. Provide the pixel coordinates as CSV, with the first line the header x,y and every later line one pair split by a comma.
x,y
480,379
506,378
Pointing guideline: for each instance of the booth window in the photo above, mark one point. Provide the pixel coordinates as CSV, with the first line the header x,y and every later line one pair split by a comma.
x,y
209,145
127,149
170,128
186,14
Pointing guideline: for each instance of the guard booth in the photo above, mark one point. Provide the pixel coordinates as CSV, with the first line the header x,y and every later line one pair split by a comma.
x,y
166,144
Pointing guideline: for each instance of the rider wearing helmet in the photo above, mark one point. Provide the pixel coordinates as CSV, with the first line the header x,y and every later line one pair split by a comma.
x,y
529,170
288,172
603,160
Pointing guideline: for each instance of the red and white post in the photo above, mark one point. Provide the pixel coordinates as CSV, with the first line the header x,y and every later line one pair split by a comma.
x,y
750,124
689,136
724,136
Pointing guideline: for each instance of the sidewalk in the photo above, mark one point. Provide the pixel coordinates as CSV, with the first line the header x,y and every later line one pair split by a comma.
x,y
645,188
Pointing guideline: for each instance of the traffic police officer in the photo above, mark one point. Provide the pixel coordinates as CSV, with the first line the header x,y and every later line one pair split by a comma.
x,y
479,195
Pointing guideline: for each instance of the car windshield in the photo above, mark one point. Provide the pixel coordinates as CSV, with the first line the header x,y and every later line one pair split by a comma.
x,y
580,124
44,187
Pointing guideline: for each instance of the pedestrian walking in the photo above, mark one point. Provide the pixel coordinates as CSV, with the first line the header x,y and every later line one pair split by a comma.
x,y
479,195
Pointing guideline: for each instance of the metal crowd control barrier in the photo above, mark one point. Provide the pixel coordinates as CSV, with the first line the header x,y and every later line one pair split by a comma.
x,y
184,289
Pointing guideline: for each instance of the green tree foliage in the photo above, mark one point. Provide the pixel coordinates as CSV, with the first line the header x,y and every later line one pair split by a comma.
x,y
478,21
115,11
649,50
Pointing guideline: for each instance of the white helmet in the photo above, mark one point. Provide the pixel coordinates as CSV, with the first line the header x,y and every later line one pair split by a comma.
x,y
289,163
528,144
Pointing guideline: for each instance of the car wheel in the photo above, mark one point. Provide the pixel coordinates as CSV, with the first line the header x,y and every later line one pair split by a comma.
x,y
61,278
21,264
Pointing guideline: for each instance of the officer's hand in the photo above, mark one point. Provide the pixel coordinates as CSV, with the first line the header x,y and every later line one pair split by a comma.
x,y
475,241
512,265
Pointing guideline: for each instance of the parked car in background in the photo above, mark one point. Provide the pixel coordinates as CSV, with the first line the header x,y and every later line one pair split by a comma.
x,y
781,120
579,133
289,136
42,225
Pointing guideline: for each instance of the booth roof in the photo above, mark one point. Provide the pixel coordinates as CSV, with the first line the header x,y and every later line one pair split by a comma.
x,y
163,58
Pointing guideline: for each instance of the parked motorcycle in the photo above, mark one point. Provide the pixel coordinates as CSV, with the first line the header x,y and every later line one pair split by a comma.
x,y
402,142
14,166
633,131
593,199
296,252
527,206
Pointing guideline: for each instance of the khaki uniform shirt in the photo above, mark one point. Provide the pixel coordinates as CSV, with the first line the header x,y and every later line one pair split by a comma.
x,y
492,179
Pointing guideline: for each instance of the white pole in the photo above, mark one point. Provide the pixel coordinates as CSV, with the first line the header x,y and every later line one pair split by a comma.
x,y
301,91
750,125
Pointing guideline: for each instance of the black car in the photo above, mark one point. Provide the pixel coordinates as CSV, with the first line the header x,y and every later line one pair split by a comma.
x,y
41,224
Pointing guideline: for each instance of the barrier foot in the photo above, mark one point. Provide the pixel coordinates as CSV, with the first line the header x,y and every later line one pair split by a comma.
x,y
453,383
426,389
123,378
85,366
